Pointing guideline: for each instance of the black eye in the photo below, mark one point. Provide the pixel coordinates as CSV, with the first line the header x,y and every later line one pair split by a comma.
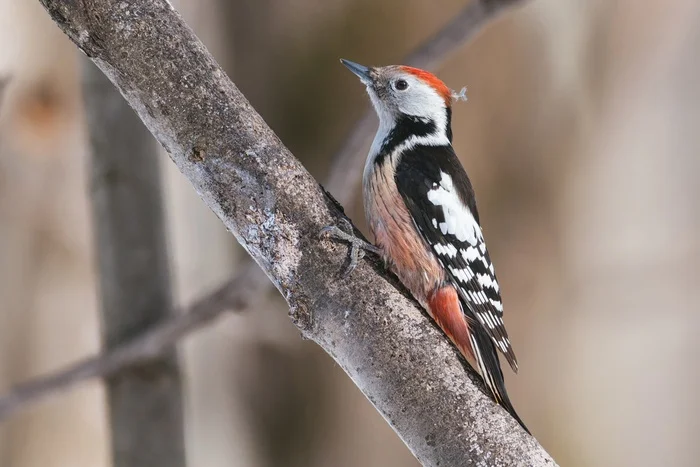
x,y
401,85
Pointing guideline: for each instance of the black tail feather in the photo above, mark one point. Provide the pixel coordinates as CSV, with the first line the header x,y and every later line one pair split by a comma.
x,y
492,366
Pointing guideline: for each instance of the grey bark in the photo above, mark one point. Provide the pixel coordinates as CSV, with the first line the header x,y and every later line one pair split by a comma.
x,y
145,401
275,209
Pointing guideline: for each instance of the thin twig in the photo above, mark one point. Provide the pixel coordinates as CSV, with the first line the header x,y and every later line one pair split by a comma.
x,y
238,294
250,283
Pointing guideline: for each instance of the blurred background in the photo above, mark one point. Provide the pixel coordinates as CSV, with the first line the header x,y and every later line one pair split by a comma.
x,y
581,138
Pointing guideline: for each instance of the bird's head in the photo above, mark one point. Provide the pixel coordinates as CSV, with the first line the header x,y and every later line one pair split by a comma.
x,y
398,91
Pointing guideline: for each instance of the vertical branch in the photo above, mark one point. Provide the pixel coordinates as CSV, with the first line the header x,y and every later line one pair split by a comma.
x,y
145,401
4,80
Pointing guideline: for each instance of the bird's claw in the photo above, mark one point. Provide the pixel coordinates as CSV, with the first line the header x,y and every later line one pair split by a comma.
x,y
357,245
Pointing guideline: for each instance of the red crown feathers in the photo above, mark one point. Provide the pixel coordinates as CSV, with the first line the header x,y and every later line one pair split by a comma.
x,y
433,81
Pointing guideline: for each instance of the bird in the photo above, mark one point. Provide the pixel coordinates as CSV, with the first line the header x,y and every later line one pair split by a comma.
x,y
421,210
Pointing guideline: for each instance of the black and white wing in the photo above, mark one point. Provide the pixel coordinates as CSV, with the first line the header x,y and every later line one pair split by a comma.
x,y
440,198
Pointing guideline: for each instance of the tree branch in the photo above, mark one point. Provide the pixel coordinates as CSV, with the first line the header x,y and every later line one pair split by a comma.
x,y
273,206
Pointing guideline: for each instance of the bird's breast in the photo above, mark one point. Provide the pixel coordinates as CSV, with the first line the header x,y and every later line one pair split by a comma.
x,y
394,231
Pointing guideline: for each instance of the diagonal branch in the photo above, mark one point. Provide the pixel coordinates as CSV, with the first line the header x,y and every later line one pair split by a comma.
x,y
273,206
240,291
275,209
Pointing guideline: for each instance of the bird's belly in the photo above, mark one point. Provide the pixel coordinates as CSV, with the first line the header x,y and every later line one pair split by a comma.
x,y
405,252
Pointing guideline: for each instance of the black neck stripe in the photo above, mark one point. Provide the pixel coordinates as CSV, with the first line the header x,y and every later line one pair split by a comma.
x,y
448,127
405,127
408,126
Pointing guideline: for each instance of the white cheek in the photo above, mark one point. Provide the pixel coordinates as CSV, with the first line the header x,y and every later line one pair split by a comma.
x,y
423,101
420,101
419,96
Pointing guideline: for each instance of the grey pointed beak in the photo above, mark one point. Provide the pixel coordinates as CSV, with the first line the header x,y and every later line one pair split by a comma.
x,y
360,71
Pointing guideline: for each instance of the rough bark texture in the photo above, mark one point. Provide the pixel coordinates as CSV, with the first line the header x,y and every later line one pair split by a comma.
x,y
275,208
145,401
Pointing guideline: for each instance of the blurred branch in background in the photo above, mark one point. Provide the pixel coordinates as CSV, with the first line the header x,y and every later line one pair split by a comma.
x,y
145,401
4,80
250,283
238,295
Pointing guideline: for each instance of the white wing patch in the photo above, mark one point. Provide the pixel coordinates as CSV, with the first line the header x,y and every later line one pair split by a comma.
x,y
459,220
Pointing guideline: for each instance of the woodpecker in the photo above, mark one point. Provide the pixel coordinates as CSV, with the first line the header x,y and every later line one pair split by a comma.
x,y
421,210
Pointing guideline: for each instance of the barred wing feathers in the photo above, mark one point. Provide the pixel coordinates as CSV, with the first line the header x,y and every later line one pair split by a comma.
x,y
440,198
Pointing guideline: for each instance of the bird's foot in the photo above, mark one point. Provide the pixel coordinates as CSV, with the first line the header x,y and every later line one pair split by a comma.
x,y
357,245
